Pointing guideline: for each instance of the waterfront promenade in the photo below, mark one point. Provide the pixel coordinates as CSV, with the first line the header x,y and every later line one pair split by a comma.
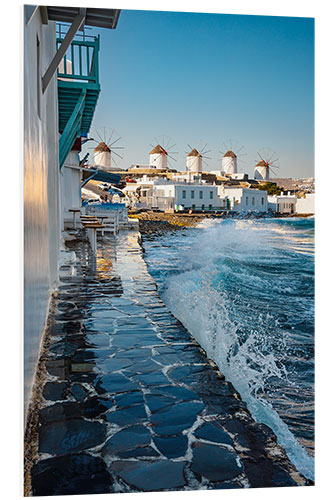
x,y
127,401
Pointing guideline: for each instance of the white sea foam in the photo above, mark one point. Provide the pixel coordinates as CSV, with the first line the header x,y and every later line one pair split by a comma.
x,y
209,313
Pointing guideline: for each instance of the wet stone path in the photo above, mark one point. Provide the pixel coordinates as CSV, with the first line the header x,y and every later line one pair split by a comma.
x,y
130,401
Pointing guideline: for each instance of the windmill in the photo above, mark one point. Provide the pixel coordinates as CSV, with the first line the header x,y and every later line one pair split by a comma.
x,y
230,155
107,151
160,155
195,157
266,164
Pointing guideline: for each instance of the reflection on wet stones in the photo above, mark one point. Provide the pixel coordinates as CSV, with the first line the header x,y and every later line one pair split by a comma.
x,y
121,361
70,475
68,436
215,463
151,476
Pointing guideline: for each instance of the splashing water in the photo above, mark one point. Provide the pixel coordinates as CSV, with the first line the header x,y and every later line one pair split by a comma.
x,y
244,289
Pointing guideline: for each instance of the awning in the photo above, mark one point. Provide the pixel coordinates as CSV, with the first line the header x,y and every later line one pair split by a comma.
x,y
102,18
100,175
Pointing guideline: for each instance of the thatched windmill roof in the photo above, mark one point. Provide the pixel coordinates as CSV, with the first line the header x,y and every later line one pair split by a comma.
x,y
194,152
229,154
102,148
158,150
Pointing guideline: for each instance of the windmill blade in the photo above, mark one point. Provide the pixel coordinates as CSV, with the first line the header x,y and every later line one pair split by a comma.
x,y
171,146
114,142
99,136
171,158
190,148
114,152
273,172
155,138
261,156
110,136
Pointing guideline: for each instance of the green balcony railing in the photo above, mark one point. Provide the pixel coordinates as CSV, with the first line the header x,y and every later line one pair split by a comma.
x,y
78,89
80,62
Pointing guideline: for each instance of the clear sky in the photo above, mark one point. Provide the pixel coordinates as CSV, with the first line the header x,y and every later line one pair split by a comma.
x,y
210,78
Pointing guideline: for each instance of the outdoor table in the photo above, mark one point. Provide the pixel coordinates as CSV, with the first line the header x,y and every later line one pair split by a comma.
x,y
74,210
91,230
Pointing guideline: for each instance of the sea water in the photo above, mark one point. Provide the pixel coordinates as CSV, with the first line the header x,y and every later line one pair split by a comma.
x,y
245,291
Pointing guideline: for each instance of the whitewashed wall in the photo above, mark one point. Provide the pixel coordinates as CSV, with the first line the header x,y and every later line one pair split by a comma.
x,y
248,200
306,205
41,191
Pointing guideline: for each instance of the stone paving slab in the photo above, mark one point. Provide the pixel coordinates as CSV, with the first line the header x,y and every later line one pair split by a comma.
x,y
130,400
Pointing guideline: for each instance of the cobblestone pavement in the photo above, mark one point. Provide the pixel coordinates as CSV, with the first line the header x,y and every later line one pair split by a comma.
x,y
130,401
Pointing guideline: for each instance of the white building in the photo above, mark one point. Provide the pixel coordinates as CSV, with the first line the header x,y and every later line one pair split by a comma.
x,y
194,161
284,203
229,163
261,171
102,156
243,199
306,205
186,196
158,158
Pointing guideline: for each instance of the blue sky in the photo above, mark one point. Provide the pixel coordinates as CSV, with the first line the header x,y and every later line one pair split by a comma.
x,y
210,78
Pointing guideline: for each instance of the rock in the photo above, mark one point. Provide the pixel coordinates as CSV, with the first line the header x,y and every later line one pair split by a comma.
x,y
131,415
174,419
94,407
211,432
147,451
55,391
151,476
214,463
129,399
172,447
79,474
69,436
79,392
114,383
128,439
60,411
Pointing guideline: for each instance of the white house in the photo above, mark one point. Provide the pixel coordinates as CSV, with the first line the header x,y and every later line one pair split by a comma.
x,y
306,205
284,203
244,199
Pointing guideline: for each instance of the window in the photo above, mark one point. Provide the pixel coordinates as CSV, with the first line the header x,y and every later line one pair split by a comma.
x,y
262,201
193,207
252,200
203,207
184,195
200,195
247,200
211,195
210,207
192,194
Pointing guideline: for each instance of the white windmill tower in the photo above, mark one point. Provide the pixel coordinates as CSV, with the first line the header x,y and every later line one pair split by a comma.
x,y
231,154
106,153
265,165
195,158
160,155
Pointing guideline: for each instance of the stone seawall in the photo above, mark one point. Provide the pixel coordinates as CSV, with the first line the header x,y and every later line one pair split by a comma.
x,y
128,399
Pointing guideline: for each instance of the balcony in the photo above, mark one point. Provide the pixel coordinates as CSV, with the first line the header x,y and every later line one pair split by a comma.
x,y
78,89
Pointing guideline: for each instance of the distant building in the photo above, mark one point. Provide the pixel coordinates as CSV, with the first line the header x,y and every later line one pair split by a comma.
x,y
284,203
186,196
243,199
194,161
229,163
